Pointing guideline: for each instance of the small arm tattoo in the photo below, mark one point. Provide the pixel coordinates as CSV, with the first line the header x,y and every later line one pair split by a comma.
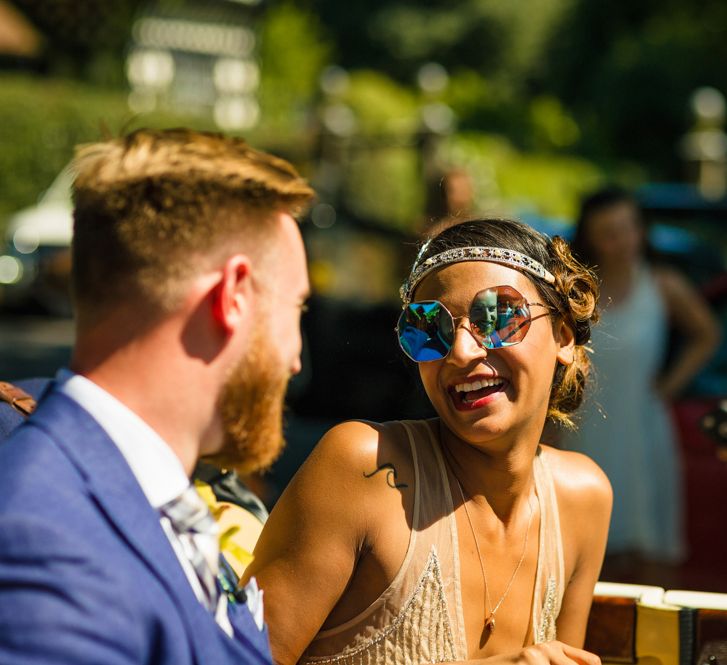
x,y
390,476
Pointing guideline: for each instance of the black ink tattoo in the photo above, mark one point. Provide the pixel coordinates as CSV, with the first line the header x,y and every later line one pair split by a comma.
x,y
390,476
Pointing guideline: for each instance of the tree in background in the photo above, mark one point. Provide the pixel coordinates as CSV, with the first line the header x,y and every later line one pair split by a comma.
x,y
620,72
626,71
549,95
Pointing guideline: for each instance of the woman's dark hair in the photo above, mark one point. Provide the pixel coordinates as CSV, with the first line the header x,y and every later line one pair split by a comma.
x,y
574,294
594,203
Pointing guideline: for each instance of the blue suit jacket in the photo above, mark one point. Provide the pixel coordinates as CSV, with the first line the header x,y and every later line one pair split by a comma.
x,y
87,574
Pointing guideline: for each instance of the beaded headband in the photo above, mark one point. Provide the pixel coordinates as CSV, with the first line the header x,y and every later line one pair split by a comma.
x,y
492,254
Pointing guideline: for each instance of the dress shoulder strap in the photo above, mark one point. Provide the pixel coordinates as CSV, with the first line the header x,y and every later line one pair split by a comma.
x,y
437,523
431,473
550,576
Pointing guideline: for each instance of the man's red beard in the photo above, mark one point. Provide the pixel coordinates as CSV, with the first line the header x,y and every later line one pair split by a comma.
x,y
251,408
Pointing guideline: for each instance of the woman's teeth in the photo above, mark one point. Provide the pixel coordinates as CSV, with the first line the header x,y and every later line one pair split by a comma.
x,y
477,385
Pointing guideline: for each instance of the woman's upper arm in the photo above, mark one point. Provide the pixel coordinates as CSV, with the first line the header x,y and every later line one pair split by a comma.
x,y
686,306
694,320
589,497
307,551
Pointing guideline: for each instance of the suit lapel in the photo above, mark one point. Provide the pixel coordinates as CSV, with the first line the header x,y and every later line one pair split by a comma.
x,y
113,485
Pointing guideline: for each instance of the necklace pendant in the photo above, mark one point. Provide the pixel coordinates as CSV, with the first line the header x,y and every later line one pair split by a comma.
x,y
490,623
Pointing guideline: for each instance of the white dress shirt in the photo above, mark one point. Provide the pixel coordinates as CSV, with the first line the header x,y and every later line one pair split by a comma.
x,y
156,467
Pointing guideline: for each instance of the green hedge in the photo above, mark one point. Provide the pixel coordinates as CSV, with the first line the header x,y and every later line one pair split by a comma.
x,y
41,120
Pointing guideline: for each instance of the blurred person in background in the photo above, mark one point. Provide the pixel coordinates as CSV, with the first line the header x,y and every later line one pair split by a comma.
x,y
187,331
625,425
460,537
449,194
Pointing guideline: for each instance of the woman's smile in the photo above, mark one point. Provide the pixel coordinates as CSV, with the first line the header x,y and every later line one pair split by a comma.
x,y
476,392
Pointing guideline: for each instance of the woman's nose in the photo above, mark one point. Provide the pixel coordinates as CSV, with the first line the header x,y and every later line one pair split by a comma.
x,y
465,346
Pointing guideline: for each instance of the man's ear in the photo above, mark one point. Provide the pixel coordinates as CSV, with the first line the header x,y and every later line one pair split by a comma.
x,y
566,339
233,293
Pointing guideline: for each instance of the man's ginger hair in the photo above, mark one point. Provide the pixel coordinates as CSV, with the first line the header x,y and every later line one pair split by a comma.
x,y
155,207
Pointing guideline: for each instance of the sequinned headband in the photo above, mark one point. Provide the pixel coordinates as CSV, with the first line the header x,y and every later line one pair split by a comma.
x,y
507,257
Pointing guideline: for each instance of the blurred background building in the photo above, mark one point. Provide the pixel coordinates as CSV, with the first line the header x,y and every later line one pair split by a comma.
x,y
398,112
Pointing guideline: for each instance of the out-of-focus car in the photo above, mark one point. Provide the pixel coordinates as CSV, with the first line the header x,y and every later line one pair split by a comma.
x,y
36,260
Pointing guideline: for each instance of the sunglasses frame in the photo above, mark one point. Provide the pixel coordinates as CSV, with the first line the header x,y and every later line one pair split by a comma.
x,y
480,338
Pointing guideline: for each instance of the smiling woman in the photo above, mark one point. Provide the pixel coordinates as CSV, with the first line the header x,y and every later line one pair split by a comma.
x,y
478,542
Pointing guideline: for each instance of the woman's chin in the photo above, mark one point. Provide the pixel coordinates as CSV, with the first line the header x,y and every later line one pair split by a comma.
x,y
477,431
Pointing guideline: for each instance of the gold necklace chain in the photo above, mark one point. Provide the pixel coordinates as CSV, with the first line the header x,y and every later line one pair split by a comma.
x,y
490,620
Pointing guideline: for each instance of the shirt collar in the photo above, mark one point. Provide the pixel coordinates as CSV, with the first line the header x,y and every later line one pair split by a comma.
x,y
154,464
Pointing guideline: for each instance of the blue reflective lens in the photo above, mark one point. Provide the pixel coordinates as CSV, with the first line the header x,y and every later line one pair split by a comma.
x,y
425,331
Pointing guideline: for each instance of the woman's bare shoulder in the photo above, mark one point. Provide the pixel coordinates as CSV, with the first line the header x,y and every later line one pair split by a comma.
x,y
585,499
363,456
361,443
356,472
578,478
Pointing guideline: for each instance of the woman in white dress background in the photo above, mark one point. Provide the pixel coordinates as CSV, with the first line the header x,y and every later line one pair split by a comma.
x,y
625,426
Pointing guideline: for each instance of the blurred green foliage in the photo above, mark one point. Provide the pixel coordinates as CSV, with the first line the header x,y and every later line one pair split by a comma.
x,y
385,185
550,96
381,169
508,181
621,71
382,106
41,120
293,51
626,71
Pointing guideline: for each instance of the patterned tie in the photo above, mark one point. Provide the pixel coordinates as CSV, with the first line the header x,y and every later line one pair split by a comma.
x,y
197,532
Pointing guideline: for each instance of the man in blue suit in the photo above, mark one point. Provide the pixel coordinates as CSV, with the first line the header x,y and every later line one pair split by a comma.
x,y
189,277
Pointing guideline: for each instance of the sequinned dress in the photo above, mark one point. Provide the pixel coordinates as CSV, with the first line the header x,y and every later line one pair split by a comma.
x,y
419,617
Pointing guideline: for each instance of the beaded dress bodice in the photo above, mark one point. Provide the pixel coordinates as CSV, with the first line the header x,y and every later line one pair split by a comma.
x,y
419,618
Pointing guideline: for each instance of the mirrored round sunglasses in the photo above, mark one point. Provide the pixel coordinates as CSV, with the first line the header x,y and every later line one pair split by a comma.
x,y
499,317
